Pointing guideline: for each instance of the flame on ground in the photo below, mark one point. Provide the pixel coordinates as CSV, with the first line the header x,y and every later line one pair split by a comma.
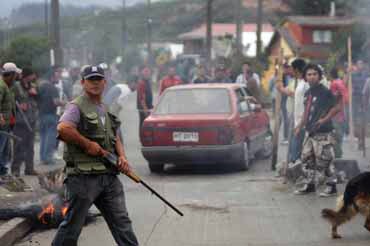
x,y
49,213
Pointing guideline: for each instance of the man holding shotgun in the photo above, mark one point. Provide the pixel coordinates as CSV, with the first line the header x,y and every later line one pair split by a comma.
x,y
91,133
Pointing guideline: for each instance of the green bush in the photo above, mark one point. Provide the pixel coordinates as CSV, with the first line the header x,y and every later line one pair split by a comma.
x,y
28,52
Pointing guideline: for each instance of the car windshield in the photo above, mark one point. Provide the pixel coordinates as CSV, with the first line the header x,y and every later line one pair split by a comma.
x,y
194,101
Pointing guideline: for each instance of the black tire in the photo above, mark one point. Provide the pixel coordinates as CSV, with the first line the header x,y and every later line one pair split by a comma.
x,y
156,167
244,161
266,151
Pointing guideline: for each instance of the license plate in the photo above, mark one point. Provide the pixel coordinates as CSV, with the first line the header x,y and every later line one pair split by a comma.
x,y
185,137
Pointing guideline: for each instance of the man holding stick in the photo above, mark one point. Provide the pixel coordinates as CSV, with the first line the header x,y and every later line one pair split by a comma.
x,y
90,132
317,154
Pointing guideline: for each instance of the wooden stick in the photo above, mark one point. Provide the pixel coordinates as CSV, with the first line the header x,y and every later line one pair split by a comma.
x,y
351,129
275,137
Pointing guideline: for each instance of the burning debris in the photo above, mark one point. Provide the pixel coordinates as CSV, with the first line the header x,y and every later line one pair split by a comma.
x,y
43,214
50,210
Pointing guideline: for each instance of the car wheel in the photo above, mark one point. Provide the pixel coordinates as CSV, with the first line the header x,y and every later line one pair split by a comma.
x,y
244,161
266,150
155,167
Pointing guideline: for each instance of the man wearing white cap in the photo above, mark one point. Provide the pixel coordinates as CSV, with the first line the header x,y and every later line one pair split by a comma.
x,y
7,111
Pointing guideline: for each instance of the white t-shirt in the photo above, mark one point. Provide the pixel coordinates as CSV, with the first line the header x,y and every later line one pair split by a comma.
x,y
301,89
125,91
241,79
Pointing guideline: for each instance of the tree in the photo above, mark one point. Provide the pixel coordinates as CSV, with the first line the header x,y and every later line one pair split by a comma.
x,y
209,29
28,52
322,7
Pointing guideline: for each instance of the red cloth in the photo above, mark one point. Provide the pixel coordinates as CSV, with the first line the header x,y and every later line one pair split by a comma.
x,y
141,90
168,82
338,88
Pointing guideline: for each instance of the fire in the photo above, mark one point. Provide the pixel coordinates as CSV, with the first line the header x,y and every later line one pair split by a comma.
x,y
64,211
50,214
47,212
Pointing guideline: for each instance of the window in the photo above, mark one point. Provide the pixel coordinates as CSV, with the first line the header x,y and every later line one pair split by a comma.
x,y
194,101
243,106
322,36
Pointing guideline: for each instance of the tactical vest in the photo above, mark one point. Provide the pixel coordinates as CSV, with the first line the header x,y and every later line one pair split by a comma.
x,y
7,103
91,127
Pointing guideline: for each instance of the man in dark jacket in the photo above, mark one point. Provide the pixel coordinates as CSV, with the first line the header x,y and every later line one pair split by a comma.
x,y
25,95
144,95
7,112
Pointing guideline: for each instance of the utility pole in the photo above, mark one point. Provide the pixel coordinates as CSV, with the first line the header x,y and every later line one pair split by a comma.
x,y
149,23
55,34
259,29
124,36
46,15
239,26
209,30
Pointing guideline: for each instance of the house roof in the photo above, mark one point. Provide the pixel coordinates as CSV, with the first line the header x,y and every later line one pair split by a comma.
x,y
221,30
321,20
314,51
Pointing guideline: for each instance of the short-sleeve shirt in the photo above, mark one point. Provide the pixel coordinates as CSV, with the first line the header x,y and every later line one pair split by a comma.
x,y
318,101
168,82
71,114
339,89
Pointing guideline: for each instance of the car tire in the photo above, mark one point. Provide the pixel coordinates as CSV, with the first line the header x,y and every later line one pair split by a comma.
x,y
156,167
244,161
266,150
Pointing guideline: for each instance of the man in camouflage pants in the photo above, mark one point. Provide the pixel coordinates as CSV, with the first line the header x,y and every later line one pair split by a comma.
x,y
318,152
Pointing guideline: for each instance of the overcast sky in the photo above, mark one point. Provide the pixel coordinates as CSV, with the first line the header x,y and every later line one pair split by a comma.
x,y
8,5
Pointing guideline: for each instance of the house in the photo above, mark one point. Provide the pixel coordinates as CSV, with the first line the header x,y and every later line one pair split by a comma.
x,y
223,34
308,37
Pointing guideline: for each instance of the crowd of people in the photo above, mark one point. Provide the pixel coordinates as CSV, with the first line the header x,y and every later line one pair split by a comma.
x,y
29,103
315,116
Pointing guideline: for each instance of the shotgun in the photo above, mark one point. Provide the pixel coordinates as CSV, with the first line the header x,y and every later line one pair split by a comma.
x,y
9,135
113,160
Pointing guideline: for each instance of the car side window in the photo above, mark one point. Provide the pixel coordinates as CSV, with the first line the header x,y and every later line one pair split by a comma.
x,y
243,106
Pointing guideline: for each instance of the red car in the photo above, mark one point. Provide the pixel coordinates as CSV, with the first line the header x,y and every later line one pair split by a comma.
x,y
205,123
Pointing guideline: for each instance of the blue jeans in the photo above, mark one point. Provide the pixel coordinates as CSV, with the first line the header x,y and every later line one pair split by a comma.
x,y
48,136
295,146
4,151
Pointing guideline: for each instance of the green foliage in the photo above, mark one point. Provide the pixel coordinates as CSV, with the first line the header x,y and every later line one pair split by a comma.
x,y
28,52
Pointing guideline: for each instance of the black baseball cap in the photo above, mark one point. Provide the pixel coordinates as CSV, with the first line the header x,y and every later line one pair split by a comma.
x,y
92,71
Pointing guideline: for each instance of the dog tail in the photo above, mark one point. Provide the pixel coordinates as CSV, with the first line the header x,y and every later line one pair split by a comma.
x,y
339,216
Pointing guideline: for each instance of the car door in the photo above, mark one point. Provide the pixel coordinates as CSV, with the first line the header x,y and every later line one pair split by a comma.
x,y
259,125
245,116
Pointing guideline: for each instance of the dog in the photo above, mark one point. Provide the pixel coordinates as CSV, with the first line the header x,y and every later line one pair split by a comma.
x,y
356,199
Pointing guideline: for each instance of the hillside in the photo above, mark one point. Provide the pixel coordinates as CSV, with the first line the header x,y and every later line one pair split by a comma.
x,y
100,32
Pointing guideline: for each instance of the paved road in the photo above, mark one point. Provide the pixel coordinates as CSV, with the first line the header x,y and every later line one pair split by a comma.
x,y
222,207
